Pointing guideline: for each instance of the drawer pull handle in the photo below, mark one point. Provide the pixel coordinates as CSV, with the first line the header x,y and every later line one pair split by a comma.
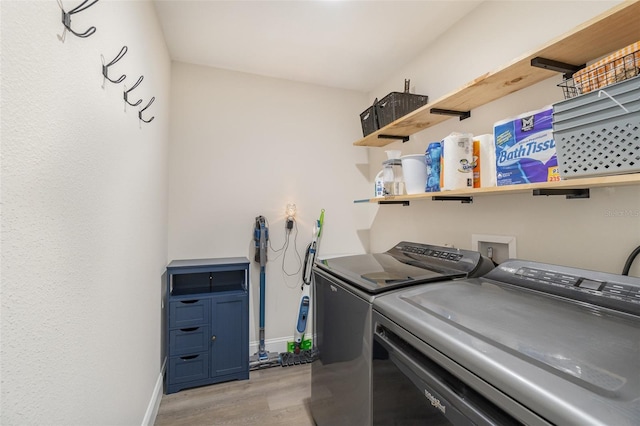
x,y
188,330
188,357
213,338
189,301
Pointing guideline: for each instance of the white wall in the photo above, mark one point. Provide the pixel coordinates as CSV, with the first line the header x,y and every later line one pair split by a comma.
x,y
598,233
84,190
244,146
84,215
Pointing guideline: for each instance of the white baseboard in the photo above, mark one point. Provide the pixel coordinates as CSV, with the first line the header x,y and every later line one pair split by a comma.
x,y
277,345
156,397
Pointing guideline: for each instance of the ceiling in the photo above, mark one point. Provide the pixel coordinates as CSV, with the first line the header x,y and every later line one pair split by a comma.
x,y
352,45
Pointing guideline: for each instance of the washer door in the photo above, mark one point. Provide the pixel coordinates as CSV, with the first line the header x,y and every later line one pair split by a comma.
x,y
411,388
569,362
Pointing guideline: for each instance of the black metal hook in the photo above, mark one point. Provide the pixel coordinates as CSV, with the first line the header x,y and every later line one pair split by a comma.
x,y
126,92
66,19
143,109
105,68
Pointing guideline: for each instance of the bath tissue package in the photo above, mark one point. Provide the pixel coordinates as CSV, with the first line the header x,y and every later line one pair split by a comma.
x,y
484,161
456,165
525,149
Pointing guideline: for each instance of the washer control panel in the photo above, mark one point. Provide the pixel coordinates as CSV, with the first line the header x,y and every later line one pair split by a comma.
x,y
620,291
443,253
617,292
441,259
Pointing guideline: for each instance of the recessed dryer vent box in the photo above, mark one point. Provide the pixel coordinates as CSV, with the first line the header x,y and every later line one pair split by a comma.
x,y
497,247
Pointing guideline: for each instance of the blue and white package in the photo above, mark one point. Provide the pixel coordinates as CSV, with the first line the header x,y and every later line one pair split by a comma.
x,y
432,159
525,149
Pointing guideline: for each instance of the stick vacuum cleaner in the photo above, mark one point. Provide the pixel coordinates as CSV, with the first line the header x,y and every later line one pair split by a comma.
x,y
300,353
262,358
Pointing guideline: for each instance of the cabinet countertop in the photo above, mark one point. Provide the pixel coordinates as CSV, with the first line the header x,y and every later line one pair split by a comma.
x,y
190,263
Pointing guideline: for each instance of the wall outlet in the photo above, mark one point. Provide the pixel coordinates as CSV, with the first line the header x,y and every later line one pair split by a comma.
x,y
497,247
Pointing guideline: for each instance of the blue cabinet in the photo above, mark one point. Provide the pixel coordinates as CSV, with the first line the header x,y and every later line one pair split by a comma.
x,y
207,330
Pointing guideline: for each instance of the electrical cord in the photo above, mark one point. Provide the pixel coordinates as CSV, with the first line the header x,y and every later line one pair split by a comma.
x,y
630,259
295,250
282,251
269,242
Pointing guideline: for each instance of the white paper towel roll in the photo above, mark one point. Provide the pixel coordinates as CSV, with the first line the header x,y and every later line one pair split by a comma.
x,y
456,162
484,161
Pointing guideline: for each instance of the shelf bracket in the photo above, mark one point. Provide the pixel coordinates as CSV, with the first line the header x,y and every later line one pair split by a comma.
x,y
462,114
550,64
463,200
570,194
403,138
403,202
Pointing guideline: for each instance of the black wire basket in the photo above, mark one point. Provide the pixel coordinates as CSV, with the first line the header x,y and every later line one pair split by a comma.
x,y
602,74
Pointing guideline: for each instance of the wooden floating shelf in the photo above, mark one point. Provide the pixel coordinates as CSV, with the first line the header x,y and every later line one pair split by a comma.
x,y
610,31
595,182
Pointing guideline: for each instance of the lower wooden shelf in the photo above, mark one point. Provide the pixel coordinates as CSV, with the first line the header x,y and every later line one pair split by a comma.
x,y
583,183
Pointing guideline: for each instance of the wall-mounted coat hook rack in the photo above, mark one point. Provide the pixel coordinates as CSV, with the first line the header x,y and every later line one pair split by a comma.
x,y
105,68
66,19
126,94
143,109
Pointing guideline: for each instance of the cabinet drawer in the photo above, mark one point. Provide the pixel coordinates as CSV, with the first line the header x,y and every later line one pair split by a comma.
x,y
189,313
188,368
189,340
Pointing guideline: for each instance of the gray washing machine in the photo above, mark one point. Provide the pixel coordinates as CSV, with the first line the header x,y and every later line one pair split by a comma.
x,y
528,343
344,290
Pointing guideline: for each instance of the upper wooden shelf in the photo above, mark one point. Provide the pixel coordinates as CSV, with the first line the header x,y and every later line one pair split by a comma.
x,y
610,31
584,183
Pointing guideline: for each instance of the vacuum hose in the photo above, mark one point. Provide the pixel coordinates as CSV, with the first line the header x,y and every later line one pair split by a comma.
x,y
630,259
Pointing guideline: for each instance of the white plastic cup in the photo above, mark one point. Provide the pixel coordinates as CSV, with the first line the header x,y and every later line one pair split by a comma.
x,y
414,170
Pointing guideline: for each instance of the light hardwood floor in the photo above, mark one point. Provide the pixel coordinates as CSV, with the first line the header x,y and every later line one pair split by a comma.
x,y
271,396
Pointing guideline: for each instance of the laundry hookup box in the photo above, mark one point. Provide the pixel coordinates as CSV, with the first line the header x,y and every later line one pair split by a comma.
x,y
525,149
